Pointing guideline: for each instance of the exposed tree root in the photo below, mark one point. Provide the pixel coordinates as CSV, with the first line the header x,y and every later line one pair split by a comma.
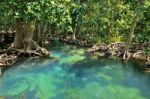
x,y
6,60
117,49
76,41
9,56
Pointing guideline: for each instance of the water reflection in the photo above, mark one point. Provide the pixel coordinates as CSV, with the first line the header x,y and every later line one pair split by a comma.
x,y
70,74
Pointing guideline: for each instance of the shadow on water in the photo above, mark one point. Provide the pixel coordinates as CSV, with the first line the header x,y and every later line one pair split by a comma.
x,y
70,74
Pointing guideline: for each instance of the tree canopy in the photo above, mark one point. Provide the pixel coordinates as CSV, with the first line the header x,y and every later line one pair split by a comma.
x,y
96,20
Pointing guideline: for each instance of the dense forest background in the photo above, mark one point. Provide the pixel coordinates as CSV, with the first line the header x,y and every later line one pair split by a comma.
x,y
98,21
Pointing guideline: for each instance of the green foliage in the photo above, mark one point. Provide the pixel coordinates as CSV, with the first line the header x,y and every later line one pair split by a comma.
x,y
111,20
142,33
52,11
147,51
96,20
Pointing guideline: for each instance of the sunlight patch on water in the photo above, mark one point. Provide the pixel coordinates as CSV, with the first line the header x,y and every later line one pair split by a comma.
x,y
72,59
96,91
103,76
79,52
120,92
44,84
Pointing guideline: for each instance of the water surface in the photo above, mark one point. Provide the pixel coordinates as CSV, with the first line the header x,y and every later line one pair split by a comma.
x,y
71,74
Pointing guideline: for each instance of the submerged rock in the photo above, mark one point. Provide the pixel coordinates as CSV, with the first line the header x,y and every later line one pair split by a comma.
x,y
0,71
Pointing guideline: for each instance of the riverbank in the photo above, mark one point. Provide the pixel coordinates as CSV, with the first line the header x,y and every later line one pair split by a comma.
x,y
9,57
136,51
117,49
113,49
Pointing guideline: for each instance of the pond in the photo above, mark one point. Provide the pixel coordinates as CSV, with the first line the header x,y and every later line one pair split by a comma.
x,y
68,73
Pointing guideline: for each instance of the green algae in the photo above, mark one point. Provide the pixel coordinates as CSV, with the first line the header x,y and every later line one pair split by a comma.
x,y
73,75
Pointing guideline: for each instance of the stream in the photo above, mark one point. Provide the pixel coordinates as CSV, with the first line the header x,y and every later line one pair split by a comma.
x,y
68,73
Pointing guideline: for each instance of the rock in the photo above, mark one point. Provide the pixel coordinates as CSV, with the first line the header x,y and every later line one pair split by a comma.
x,y
44,52
147,64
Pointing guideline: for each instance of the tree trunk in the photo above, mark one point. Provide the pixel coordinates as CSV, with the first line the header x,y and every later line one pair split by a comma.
x,y
19,35
53,28
24,35
49,32
45,27
38,31
76,25
29,28
24,38
130,36
74,34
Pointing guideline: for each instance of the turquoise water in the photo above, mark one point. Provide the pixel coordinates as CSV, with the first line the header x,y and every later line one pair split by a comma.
x,y
68,73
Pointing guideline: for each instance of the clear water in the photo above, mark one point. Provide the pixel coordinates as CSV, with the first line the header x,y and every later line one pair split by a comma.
x,y
71,74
